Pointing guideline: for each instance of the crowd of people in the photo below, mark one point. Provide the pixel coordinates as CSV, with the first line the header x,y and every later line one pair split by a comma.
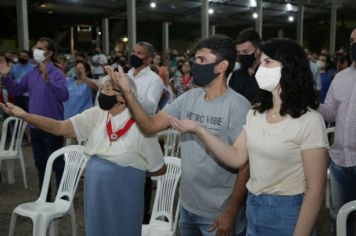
x,y
252,116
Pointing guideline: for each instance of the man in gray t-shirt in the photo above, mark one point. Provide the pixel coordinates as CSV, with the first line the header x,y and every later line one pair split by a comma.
x,y
212,195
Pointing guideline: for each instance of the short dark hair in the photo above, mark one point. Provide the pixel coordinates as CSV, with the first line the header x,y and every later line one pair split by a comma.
x,y
51,45
150,48
248,35
24,51
298,92
222,47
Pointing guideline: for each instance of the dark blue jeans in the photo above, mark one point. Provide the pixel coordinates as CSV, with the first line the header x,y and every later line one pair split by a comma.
x,y
43,145
342,190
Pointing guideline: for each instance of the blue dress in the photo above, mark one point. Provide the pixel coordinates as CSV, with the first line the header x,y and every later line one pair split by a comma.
x,y
113,199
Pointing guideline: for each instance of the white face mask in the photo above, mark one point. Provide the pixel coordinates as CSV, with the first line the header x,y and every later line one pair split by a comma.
x,y
38,55
268,78
320,64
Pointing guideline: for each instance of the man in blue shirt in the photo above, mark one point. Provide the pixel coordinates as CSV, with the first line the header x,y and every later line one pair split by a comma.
x,y
17,72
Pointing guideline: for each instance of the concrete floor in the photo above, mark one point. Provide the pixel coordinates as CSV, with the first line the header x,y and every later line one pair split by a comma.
x,y
15,194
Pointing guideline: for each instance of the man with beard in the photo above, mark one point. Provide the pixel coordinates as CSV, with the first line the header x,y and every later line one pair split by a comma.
x,y
243,80
212,195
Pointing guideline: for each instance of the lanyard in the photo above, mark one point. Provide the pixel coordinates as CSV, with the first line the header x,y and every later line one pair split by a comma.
x,y
115,136
186,81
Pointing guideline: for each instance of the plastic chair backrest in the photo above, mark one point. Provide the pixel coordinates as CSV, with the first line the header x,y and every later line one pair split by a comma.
x,y
18,127
342,215
330,130
166,189
75,161
171,144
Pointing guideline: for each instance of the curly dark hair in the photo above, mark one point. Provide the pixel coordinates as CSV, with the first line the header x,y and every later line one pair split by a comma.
x,y
298,90
222,47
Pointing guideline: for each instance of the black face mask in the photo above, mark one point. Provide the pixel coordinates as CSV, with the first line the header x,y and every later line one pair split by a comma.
x,y
122,63
247,60
135,61
107,102
203,74
23,60
353,51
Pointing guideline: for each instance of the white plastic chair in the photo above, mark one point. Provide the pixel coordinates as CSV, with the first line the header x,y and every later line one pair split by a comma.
x,y
163,222
341,219
10,149
44,213
330,130
171,145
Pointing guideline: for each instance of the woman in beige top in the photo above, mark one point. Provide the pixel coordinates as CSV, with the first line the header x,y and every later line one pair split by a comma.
x,y
285,142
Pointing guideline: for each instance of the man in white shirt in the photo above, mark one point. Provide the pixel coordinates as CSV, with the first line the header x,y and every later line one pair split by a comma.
x,y
149,85
149,91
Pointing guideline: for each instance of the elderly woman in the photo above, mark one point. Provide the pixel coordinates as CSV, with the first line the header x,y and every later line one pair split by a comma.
x,y
284,140
120,155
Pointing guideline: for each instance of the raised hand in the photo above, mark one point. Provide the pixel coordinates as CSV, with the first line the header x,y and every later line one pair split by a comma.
x,y
4,67
43,69
184,125
12,110
118,79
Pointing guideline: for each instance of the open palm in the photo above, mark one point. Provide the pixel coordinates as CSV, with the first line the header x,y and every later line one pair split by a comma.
x,y
184,125
4,67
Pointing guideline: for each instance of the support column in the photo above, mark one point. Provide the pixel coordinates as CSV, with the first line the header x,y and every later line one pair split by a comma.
x,y
131,24
98,37
165,31
105,42
72,40
333,19
204,19
22,25
300,24
260,17
212,30
280,33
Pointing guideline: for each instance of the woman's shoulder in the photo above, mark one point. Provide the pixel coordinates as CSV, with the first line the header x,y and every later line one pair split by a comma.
x,y
311,118
311,114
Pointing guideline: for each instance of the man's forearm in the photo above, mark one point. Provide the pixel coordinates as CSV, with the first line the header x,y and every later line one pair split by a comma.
x,y
143,120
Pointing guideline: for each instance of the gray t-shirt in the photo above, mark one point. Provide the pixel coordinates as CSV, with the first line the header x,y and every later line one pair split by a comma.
x,y
206,184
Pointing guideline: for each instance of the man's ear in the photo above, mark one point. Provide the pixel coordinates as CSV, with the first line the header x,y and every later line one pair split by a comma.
x,y
222,66
48,54
257,53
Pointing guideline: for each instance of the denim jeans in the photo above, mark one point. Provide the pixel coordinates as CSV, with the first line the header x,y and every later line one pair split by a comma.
x,y
272,215
342,190
193,225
